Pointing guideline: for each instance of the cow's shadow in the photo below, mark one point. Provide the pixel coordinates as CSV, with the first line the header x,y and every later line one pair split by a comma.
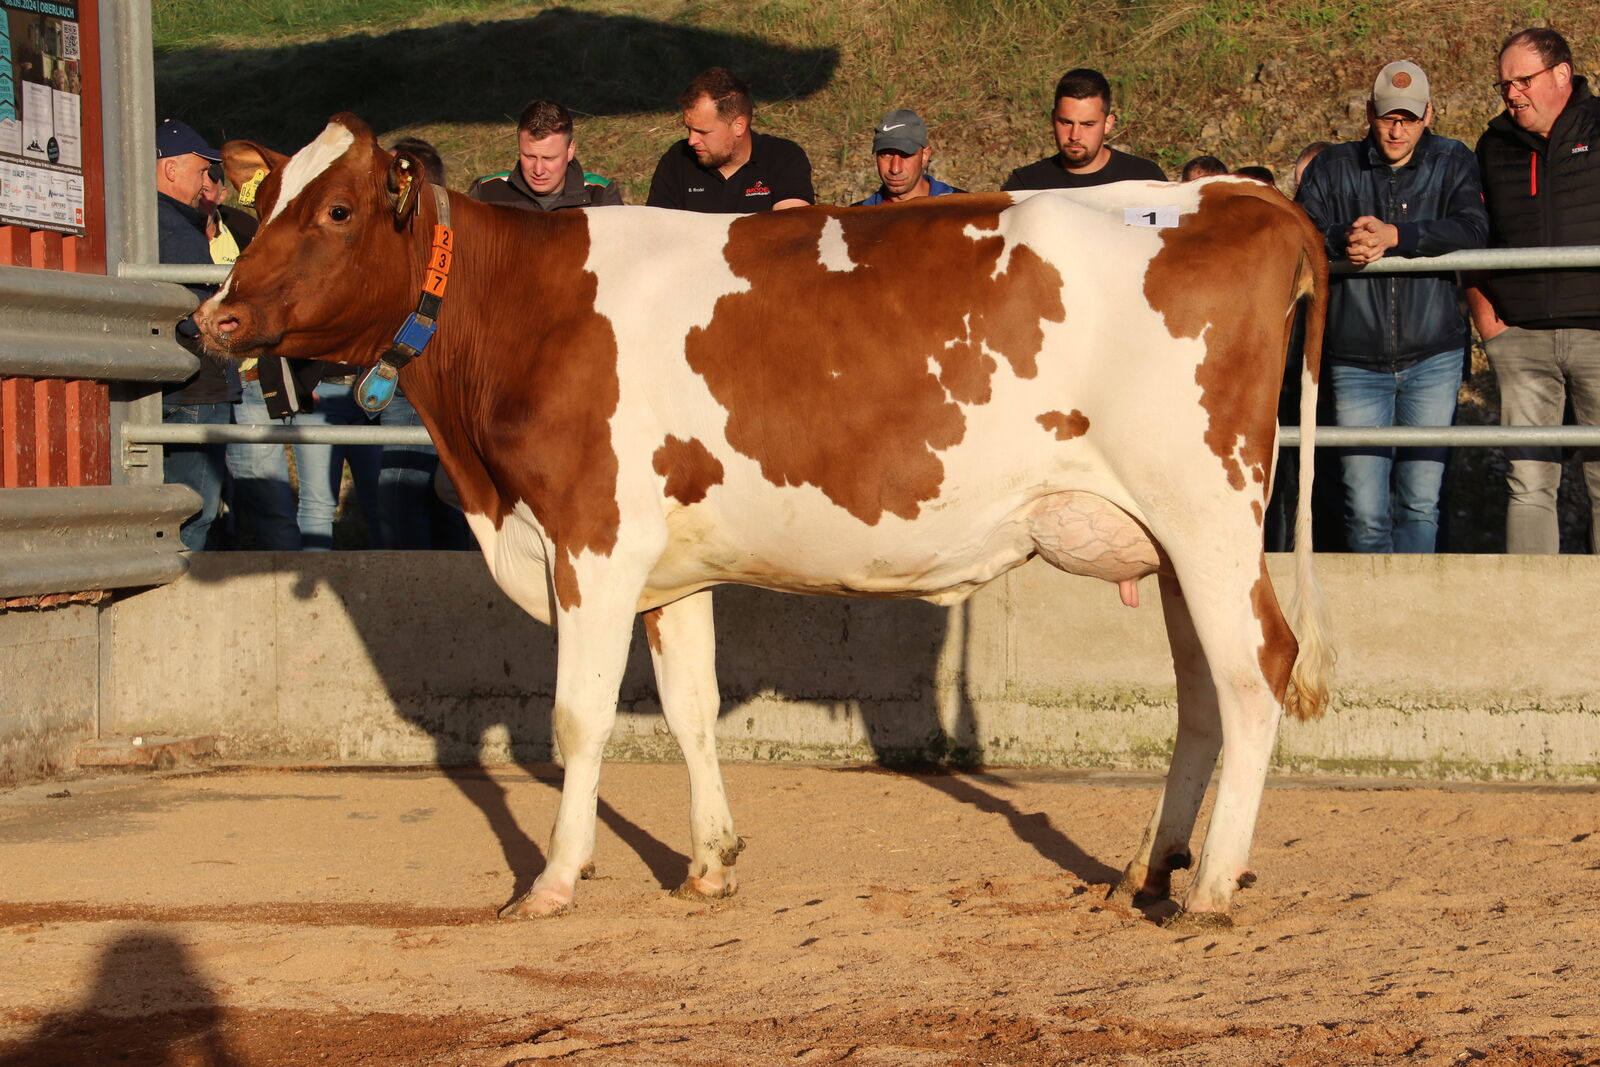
x,y
468,72
869,678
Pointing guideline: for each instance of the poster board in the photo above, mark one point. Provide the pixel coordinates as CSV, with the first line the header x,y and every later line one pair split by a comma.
x,y
41,115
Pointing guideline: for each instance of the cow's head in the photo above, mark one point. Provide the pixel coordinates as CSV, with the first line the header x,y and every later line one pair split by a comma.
x,y
336,265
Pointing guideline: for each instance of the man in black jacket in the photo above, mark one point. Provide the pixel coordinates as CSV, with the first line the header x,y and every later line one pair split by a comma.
x,y
548,176
183,162
1541,177
1395,343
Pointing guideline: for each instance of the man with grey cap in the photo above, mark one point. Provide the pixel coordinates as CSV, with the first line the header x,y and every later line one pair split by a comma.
x,y
1395,344
900,144
184,162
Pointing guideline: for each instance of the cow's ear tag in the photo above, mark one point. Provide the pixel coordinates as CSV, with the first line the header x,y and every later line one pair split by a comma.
x,y
404,178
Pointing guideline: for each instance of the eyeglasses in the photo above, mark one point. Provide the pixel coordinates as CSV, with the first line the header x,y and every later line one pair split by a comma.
x,y
1520,84
1397,123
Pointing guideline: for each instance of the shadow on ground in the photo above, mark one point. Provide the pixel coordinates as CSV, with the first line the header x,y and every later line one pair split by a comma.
x,y
180,1020
884,654
464,72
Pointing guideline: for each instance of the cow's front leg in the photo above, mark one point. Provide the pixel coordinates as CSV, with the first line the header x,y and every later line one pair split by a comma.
x,y
683,648
592,634
1165,847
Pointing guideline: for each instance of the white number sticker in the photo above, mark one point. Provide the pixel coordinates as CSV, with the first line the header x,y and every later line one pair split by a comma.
x,y
1155,217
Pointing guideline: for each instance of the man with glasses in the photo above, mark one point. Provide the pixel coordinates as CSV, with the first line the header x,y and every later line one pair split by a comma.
x,y
1396,343
1540,159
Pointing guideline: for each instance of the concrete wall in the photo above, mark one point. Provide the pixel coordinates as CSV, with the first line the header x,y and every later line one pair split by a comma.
x,y
49,687
1450,666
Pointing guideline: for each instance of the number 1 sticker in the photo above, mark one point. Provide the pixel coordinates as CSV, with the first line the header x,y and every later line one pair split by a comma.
x,y
1153,217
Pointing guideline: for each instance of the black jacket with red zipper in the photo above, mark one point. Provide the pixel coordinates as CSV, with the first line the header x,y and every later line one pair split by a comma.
x,y
1545,192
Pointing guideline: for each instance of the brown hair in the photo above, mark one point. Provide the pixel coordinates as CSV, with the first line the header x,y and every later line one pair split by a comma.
x,y
1552,47
542,118
730,95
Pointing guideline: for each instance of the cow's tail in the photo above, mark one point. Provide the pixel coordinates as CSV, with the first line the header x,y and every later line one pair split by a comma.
x,y
1307,696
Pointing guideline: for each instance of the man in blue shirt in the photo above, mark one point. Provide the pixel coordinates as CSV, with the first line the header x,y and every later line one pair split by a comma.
x,y
1395,343
900,144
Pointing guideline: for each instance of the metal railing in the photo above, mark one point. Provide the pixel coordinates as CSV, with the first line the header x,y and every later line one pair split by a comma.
x,y
134,436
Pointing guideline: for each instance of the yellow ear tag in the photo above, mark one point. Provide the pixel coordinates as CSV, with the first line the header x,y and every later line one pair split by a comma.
x,y
247,191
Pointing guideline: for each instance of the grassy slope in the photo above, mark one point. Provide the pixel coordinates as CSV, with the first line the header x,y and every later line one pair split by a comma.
x,y
1251,82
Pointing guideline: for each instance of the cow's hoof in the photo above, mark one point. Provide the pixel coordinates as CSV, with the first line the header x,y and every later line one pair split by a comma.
x,y
1154,890
1198,922
538,904
694,888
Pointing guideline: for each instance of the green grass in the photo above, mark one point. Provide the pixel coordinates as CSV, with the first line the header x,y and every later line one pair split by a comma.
x,y
1248,80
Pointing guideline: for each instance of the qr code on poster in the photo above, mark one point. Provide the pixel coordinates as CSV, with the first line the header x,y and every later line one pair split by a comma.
x,y
69,40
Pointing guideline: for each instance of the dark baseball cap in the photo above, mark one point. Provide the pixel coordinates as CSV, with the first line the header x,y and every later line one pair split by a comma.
x,y
900,131
175,138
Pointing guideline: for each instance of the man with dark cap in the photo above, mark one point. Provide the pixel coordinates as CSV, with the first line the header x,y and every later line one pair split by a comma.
x,y
183,166
1395,344
900,145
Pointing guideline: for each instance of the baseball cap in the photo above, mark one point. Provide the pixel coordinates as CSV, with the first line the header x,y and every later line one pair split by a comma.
x,y
902,131
1401,86
174,138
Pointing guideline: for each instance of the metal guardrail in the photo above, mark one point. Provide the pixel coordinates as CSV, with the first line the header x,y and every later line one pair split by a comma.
x,y
1572,257
1333,436
1289,436
91,537
60,325
183,273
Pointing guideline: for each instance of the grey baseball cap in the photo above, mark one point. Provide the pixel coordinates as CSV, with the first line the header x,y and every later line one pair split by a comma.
x,y
901,131
1401,86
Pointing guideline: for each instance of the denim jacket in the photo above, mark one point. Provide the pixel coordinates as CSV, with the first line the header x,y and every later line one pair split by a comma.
x,y
1389,322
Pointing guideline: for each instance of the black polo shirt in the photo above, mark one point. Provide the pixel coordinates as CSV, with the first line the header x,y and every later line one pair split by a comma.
x,y
777,170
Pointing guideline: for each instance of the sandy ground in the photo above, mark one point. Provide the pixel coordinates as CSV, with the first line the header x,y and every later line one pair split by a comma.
x,y
256,917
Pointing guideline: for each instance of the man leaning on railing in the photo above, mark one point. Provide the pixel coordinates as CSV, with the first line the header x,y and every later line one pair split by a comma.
x,y
1540,159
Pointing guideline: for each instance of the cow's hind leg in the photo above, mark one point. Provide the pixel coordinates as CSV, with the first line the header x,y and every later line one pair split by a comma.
x,y
683,648
593,637
1165,847
1251,651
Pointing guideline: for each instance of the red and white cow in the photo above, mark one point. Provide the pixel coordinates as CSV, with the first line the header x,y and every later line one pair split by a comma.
x,y
637,404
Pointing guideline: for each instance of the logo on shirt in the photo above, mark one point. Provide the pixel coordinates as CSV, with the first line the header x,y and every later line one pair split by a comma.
x,y
758,189
697,188
1579,148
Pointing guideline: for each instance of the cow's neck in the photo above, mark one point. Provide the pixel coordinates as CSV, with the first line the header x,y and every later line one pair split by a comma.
x,y
502,333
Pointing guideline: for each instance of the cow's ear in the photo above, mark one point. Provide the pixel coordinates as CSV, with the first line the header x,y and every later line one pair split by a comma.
x,y
246,164
405,185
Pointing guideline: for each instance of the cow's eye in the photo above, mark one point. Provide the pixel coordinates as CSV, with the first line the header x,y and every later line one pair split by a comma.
x,y
338,213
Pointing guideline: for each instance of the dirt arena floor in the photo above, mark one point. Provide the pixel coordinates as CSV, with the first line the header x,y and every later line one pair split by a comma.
x,y
255,916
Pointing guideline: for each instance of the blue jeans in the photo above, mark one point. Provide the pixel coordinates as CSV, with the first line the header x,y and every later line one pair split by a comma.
x,y
321,468
410,513
202,468
1392,495
262,496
